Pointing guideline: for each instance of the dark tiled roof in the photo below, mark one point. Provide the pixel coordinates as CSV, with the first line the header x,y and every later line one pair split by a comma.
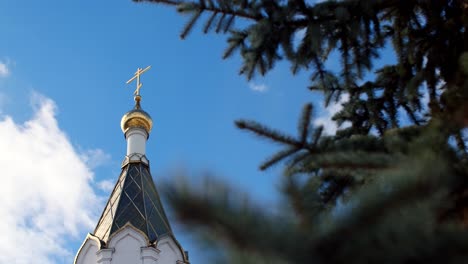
x,y
134,200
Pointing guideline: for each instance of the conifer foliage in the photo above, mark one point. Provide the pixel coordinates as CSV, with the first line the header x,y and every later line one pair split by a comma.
x,y
392,187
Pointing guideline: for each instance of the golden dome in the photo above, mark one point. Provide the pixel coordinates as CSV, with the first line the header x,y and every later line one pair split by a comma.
x,y
136,118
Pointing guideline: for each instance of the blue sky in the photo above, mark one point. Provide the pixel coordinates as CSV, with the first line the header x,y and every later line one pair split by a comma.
x,y
63,67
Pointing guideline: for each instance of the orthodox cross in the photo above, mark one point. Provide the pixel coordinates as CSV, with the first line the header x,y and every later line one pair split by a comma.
x,y
137,77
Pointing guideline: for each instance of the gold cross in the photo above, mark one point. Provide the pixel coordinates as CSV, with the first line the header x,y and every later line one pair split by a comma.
x,y
137,77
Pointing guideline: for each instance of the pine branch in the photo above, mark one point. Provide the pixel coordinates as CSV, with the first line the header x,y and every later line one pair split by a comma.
x,y
317,135
304,123
209,22
236,41
305,199
190,24
268,133
211,206
210,8
278,157
406,185
398,187
220,23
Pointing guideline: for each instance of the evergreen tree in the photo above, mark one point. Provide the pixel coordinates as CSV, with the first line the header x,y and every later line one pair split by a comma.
x,y
378,191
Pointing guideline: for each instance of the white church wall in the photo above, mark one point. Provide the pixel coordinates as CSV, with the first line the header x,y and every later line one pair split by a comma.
x,y
136,141
104,256
149,255
87,253
127,244
170,251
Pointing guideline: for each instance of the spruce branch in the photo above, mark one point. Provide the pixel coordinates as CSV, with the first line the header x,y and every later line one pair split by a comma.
x,y
190,24
209,22
220,23
236,41
229,23
316,136
388,183
407,186
268,133
221,7
304,123
279,156
211,206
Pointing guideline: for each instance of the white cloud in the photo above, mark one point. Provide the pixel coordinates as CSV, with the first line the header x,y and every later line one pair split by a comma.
x,y
4,70
95,157
106,185
258,87
46,197
329,126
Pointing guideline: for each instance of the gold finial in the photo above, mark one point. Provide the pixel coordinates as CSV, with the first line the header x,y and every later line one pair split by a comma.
x,y
138,84
137,118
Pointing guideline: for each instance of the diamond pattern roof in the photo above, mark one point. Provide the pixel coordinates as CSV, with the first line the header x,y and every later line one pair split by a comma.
x,y
134,200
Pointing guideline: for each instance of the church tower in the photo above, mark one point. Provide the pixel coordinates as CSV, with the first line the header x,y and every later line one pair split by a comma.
x,y
133,228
